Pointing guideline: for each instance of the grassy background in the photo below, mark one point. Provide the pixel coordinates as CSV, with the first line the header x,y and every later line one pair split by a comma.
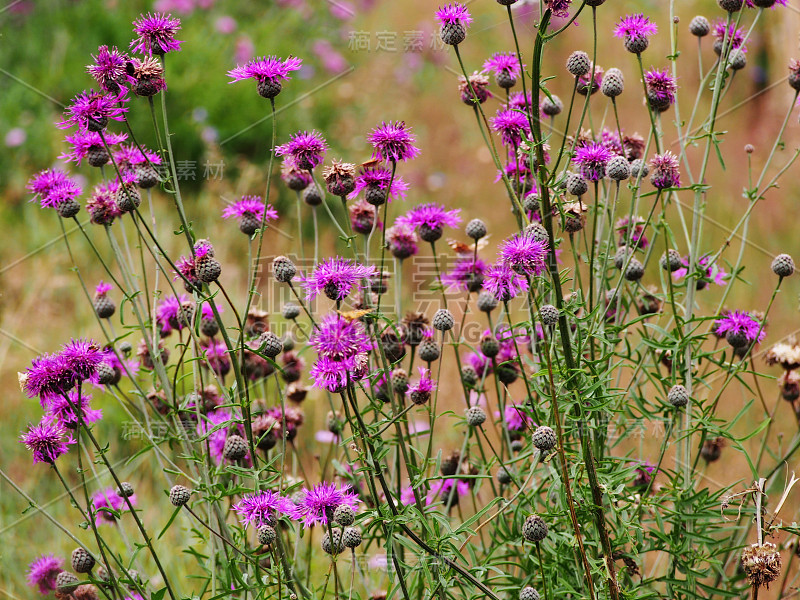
x,y
46,48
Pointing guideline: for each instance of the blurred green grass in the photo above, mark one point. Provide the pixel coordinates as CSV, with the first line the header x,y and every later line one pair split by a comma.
x,y
47,50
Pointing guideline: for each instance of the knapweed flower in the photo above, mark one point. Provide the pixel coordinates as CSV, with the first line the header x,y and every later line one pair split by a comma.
x,y
336,278
338,338
251,213
752,4
447,490
53,187
512,125
524,254
109,69
43,571
503,282
587,85
47,441
214,429
517,418
307,149
102,204
665,173
592,159
709,272
635,30
128,156
340,178
644,474
92,110
559,8
187,272
475,89
364,217
401,240
69,411
430,220
82,356
506,68
318,504
420,391
332,375
454,19
739,329
215,356
375,183
467,274
295,179
48,377
269,72
633,237
735,37
156,34
89,144
148,75
174,313
393,141
261,508
106,504
661,88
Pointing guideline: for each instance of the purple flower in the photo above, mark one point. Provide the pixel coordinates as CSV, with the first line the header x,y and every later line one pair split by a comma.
x,y
559,8
519,101
215,356
442,489
401,240
524,254
336,278
644,474
156,34
48,377
740,323
128,156
467,274
503,283
393,141
635,26
364,217
637,238
516,418
480,363
751,4
339,338
47,441
83,141
661,88
82,357
52,187
173,313
665,171
735,36
709,271
62,410
261,508
109,69
592,159
512,126
268,72
307,149
92,110
430,217
318,504
250,206
421,390
43,571
102,204
332,375
454,12
378,178
214,430
107,503
503,64
186,270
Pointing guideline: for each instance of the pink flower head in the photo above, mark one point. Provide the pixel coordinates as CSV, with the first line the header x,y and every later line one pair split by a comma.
x,y
334,375
632,236
261,508
156,34
250,206
516,418
129,156
214,430
215,356
102,204
512,125
710,272
338,338
109,69
47,441
503,63
431,216
92,110
401,240
425,385
665,171
524,254
186,270
592,160
307,149
633,26
738,322
107,504
735,36
336,278
71,411
52,187
447,490
43,571
318,504
102,288
48,377
454,12
268,72
82,141
466,274
173,313
393,141
379,178
559,8
503,282
661,88
82,356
